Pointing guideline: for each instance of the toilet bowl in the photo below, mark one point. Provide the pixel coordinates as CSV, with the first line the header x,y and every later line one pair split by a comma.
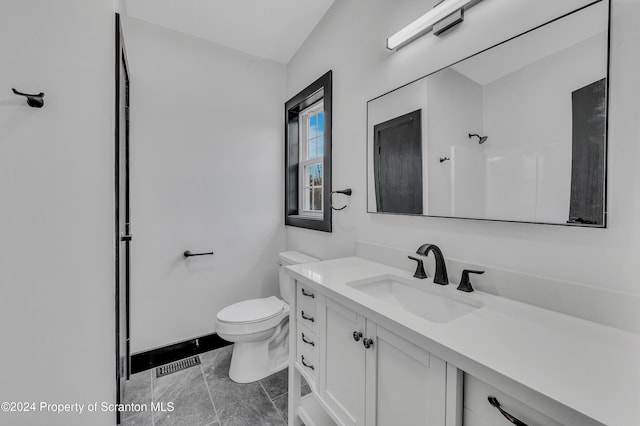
x,y
259,328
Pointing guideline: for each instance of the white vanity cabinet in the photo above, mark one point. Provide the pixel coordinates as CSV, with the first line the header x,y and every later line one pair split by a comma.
x,y
342,377
478,411
365,374
371,376
306,326
403,381
372,359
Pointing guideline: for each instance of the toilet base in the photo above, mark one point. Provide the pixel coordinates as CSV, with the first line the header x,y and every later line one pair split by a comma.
x,y
252,361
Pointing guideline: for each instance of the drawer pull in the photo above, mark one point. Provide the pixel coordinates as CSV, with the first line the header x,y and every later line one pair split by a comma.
x,y
304,293
357,335
494,402
308,342
305,364
367,342
306,317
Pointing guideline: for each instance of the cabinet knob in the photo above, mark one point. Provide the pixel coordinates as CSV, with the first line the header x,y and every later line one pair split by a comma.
x,y
367,343
357,335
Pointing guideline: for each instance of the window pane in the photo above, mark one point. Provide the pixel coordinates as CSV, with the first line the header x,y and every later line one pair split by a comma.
x,y
317,199
308,175
307,199
320,147
313,127
313,149
317,175
320,123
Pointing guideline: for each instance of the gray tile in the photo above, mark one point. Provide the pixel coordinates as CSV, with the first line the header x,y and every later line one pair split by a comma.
x,y
137,391
237,404
218,359
140,419
305,386
276,384
306,389
244,404
188,392
282,404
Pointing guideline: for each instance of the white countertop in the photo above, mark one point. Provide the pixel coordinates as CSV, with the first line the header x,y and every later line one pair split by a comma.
x,y
589,367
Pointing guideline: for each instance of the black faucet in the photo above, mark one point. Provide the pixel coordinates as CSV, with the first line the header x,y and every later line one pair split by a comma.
x,y
465,283
420,273
440,276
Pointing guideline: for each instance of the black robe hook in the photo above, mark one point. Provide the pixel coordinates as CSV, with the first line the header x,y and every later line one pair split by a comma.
x,y
34,101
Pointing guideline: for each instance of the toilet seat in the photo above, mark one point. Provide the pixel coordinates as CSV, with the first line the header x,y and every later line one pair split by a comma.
x,y
252,316
253,310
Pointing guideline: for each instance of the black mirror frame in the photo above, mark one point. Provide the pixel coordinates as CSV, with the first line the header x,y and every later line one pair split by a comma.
x,y
576,222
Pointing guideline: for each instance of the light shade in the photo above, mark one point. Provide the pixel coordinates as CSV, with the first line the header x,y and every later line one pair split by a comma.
x,y
425,22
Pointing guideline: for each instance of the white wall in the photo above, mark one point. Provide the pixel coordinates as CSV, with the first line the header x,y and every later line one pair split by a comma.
x,y
455,110
528,116
468,181
350,40
57,311
207,161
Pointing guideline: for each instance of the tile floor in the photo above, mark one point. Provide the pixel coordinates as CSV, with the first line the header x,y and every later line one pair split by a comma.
x,y
204,395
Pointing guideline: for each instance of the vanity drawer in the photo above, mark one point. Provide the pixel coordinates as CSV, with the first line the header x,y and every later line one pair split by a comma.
x,y
307,298
306,339
479,412
306,301
307,352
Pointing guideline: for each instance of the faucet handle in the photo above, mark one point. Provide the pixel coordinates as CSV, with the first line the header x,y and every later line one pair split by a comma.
x,y
465,283
420,273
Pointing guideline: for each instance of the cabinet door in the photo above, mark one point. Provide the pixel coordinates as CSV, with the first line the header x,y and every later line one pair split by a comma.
x,y
342,363
405,384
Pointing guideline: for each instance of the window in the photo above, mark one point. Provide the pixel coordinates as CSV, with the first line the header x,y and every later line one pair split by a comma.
x,y
308,157
311,160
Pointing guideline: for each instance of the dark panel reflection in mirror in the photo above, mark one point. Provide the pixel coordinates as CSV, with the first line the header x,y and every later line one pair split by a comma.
x,y
587,154
521,126
397,165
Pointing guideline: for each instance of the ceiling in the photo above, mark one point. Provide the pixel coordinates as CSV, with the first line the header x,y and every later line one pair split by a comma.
x,y
271,29
536,45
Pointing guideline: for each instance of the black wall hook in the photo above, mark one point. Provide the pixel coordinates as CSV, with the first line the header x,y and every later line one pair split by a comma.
x,y
342,191
34,101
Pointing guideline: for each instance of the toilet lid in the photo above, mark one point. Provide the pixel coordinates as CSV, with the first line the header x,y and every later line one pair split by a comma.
x,y
252,310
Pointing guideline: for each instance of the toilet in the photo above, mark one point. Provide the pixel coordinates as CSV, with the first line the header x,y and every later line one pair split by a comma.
x,y
259,328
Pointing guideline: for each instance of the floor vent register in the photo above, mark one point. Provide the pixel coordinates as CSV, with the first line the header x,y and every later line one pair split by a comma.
x,y
177,366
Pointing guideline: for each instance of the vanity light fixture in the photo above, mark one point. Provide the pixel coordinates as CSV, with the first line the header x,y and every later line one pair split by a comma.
x,y
448,13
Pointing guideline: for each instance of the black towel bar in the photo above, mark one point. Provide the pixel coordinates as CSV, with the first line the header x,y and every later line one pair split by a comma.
x,y
187,253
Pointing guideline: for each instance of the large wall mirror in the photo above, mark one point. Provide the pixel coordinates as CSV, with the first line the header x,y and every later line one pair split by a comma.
x,y
517,132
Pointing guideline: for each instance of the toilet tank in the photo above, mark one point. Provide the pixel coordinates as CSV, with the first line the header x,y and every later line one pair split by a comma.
x,y
290,258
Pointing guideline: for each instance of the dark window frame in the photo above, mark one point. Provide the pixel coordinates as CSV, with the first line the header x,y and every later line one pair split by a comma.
x,y
319,89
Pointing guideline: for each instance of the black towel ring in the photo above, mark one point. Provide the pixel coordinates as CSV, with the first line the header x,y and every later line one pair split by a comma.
x,y
342,191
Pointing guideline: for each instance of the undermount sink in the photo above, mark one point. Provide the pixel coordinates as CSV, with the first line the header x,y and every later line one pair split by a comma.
x,y
434,304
